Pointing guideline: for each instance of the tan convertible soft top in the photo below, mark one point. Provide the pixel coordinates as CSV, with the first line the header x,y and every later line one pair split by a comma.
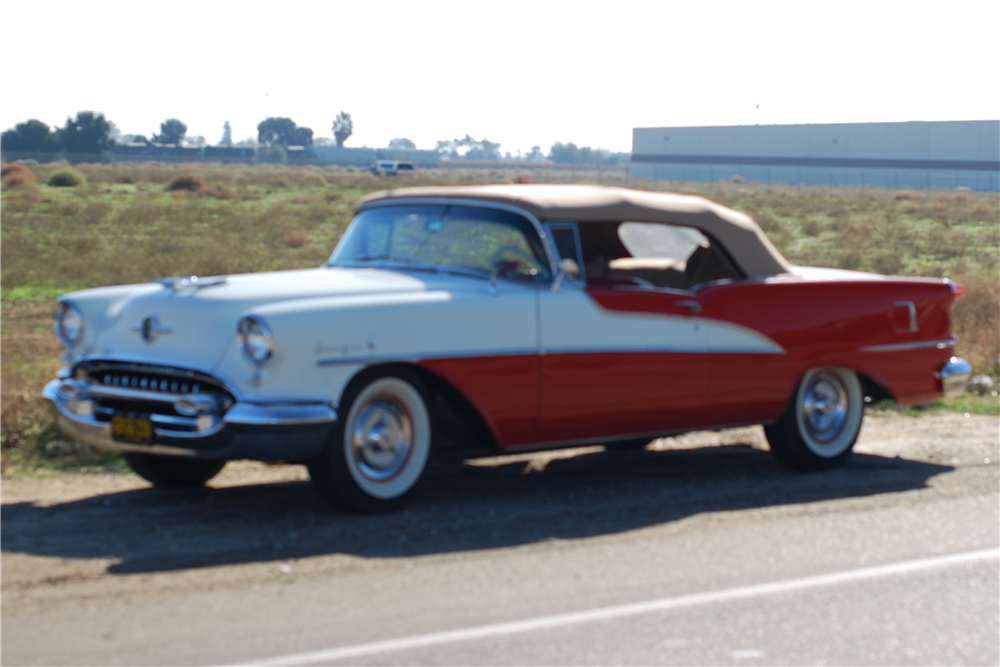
x,y
740,235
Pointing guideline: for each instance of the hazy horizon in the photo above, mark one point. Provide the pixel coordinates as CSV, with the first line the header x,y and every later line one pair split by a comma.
x,y
521,74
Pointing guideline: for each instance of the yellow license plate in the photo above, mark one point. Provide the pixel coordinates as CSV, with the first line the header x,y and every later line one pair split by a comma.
x,y
137,430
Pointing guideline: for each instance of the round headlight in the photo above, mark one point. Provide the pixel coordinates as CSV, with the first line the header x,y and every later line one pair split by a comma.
x,y
69,324
255,340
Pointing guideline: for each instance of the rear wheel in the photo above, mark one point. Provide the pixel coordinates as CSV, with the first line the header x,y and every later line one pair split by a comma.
x,y
821,422
172,472
380,447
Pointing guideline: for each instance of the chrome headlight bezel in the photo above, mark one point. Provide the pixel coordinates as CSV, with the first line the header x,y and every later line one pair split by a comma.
x,y
255,339
68,324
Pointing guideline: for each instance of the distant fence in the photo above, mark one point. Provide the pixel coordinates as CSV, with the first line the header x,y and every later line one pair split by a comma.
x,y
43,158
166,157
348,157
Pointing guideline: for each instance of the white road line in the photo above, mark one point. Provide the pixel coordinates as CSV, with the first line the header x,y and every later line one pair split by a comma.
x,y
618,611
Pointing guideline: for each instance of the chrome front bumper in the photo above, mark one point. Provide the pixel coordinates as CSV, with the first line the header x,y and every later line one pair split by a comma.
x,y
265,432
954,375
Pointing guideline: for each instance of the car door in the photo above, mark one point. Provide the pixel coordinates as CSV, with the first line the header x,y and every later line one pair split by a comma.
x,y
620,357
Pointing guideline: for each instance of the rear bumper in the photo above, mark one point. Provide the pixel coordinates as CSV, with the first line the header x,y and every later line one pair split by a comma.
x,y
265,432
954,375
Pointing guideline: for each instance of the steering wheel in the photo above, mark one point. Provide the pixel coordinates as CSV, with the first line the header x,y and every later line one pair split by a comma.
x,y
521,254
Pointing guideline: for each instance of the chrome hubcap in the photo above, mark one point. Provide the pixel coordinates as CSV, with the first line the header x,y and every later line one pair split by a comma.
x,y
382,438
824,407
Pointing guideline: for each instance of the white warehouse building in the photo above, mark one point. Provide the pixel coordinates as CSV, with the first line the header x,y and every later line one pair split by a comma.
x,y
934,154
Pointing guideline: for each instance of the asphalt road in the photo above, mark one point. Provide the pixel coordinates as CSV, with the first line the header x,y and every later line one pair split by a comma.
x,y
703,551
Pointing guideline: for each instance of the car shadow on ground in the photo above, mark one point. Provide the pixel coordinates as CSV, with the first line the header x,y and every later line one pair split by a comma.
x,y
459,508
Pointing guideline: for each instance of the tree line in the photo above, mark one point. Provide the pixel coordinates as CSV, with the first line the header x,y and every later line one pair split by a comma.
x,y
92,133
89,132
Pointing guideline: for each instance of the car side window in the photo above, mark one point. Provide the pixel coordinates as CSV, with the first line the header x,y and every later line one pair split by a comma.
x,y
566,241
652,254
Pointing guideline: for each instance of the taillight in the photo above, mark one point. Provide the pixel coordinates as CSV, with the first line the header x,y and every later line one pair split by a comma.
x,y
956,289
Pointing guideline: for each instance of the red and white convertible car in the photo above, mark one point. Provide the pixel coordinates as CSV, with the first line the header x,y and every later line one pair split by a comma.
x,y
464,321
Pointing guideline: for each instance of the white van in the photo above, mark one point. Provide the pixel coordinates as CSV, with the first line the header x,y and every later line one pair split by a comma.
x,y
391,167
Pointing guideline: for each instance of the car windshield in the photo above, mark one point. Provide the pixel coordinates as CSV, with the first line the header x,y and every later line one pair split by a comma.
x,y
445,237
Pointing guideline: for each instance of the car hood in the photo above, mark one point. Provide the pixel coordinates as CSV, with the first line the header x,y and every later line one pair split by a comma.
x,y
193,325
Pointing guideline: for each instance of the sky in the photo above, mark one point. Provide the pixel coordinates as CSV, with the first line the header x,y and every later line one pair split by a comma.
x,y
518,73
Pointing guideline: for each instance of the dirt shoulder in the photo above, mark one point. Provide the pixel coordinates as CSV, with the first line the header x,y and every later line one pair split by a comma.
x,y
86,539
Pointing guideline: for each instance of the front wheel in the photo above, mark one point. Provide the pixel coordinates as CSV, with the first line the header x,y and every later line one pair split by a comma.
x,y
379,449
821,422
172,472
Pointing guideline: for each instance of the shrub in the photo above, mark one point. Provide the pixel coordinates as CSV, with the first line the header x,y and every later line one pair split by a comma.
x,y
16,175
279,184
736,179
522,179
186,182
313,181
67,178
14,168
295,240
16,180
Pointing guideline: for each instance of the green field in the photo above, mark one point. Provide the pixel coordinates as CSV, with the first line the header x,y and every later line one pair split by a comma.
x,y
125,225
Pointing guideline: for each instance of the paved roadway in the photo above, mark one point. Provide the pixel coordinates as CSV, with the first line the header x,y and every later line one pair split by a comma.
x,y
703,552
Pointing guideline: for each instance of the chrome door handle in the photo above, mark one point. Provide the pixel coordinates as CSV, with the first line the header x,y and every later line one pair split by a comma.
x,y
693,305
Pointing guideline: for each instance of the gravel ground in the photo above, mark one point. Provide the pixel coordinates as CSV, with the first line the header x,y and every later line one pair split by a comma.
x,y
80,540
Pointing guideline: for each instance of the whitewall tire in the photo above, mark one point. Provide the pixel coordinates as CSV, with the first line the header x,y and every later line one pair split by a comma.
x,y
381,445
821,422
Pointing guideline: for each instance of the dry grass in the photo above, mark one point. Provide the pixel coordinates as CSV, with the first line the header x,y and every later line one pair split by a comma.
x,y
124,226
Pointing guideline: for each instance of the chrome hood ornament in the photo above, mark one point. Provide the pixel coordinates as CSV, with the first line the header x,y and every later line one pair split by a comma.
x,y
190,282
150,328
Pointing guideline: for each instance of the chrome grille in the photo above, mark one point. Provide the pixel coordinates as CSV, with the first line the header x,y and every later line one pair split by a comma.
x,y
135,389
158,379
150,381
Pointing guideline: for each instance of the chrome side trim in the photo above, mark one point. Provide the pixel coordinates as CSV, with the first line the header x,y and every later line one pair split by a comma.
x,y
954,375
919,345
414,358
666,349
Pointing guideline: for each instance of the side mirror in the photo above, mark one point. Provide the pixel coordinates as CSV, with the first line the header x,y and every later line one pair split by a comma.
x,y
567,267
